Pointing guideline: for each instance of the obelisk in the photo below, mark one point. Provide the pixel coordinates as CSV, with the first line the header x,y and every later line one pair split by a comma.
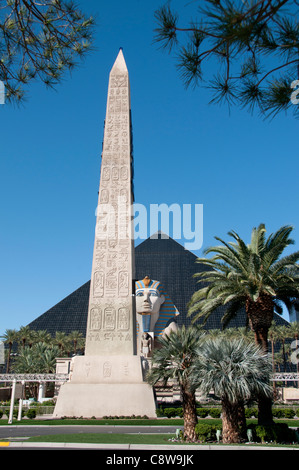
x,y
109,378
111,316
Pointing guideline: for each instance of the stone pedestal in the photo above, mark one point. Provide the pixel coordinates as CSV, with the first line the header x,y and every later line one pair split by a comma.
x,y
106,386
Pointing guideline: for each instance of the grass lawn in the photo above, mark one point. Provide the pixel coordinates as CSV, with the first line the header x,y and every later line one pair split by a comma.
x,y
143,439
127,422
154,439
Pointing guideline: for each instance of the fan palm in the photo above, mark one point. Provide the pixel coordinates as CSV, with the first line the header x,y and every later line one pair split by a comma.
x,y
236,370
254,276
173,360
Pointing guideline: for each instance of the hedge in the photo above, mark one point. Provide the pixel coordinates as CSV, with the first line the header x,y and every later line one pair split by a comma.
x,y
169,412
278,433
206,432
278,413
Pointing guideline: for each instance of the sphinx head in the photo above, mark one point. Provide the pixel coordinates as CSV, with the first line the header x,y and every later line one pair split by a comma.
x,y
148,297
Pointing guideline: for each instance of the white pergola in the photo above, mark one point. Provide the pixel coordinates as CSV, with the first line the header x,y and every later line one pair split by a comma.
x,y
285,376
23,378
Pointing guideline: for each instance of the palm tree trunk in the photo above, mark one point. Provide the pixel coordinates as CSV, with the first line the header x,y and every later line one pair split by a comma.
x,y
260,315
189,413
8,358
231,433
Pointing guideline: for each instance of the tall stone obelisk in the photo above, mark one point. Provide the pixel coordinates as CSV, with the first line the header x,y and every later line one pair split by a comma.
x,y
109,379
111,316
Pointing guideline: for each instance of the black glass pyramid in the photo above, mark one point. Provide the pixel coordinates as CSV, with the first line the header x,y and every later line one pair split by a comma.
x,y
162,259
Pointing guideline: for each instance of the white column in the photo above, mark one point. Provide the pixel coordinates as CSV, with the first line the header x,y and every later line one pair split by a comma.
x,y
41,391
21,402
12,400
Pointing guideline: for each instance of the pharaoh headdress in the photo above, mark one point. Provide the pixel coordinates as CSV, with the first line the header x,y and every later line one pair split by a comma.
x,y
167,310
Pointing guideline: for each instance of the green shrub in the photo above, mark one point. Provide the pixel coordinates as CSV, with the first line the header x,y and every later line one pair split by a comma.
x,y
215,412
31,414
202,412
1,413
170,412
206,432
251,412
160,412
278,413
278,432
289,413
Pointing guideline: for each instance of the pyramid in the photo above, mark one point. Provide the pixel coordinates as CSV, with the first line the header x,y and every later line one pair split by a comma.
x,y
160,258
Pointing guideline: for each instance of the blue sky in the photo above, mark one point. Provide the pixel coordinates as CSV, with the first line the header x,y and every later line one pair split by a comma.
x,y
242,169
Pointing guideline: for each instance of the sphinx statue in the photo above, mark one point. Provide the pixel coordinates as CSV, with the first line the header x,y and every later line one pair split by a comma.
x,y
155,310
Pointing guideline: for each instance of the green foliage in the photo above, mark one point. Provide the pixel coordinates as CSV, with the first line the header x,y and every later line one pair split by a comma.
x,y
173,360
40,358
234,368
228,48
278,413
243,274
206,432
202,412
31,414
251,412
40,40
289,413
173,412
215,412
37,350
278,432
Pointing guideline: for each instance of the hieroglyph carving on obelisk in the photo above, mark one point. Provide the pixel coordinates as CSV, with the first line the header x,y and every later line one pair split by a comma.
x,y
111,314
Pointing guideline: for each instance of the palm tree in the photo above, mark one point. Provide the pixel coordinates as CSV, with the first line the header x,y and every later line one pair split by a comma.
x,y
236,370
41,336
9,337
253,276
60,340
47,359
173,360
25,335
75,337
26,361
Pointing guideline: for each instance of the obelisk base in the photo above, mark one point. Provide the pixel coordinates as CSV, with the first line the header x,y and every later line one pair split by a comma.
x,y
106,386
